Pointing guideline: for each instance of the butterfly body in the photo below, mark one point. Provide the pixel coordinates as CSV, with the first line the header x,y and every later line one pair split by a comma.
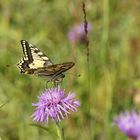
x,y
35,62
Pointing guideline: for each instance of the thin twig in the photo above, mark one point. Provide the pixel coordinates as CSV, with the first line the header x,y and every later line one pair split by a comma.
x,y
88,66
86,30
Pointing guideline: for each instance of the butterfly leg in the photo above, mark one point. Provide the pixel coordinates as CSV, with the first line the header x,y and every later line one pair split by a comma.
x,y
47,84
51,84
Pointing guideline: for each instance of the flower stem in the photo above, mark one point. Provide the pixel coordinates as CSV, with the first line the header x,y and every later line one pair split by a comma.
x,y
60,131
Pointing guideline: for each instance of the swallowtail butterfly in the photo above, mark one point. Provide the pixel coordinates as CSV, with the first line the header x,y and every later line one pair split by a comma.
x,y
35,62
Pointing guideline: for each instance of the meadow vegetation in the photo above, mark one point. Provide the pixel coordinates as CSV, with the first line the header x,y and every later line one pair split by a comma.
x,y
109,86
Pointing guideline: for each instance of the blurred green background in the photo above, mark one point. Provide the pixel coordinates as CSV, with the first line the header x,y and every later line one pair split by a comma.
x,y
111,85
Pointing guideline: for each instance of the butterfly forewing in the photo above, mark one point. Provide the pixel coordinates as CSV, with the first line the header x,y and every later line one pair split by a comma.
x,y
35,62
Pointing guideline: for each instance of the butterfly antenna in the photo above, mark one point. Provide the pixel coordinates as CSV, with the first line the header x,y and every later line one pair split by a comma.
x,y
9,66
47,84
50,84
76,75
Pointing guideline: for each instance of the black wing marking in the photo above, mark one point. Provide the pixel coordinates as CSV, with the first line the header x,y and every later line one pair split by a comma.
x,y
26,51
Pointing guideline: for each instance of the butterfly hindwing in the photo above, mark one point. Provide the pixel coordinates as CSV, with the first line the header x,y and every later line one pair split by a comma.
x,y
55,69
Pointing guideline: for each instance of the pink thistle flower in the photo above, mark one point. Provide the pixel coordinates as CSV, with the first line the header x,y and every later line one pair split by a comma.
x,y
77,33
129,124
53,103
